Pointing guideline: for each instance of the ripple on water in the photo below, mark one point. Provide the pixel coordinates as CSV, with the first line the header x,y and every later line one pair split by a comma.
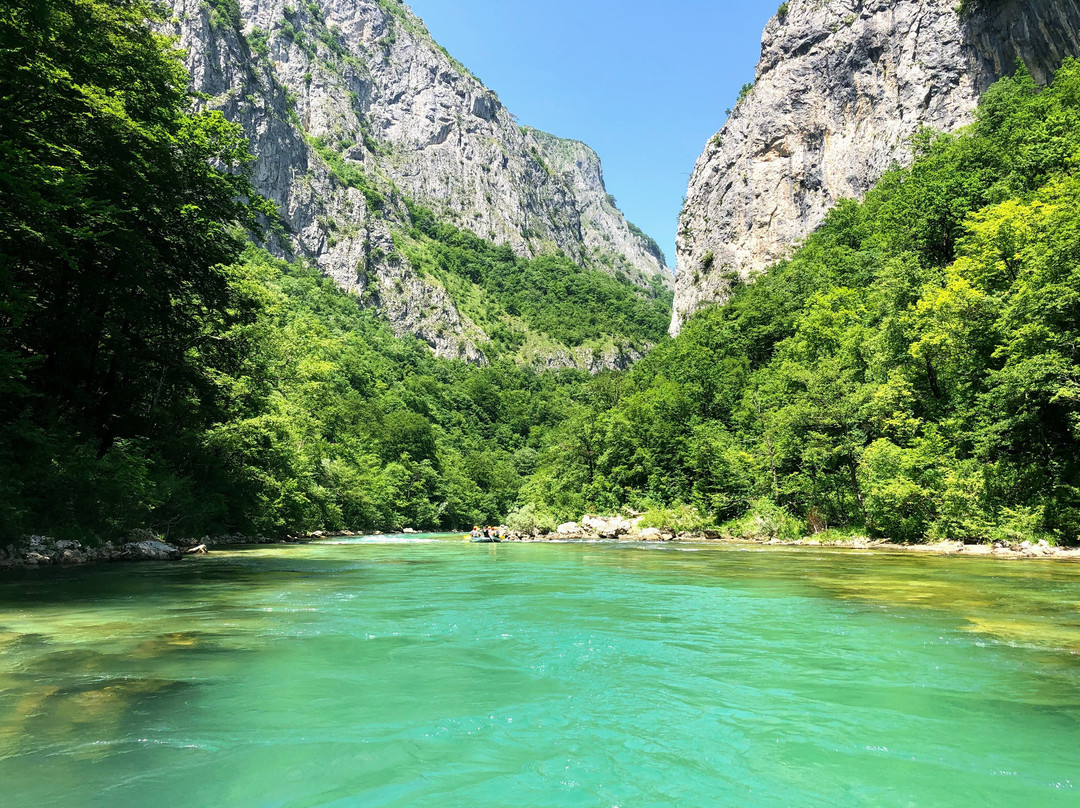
x,y
427,672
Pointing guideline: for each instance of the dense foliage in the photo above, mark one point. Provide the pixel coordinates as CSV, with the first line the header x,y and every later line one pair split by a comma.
x,y
549,294
119,216
913,369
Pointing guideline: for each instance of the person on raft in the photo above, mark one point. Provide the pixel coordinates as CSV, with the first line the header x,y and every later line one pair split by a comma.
x,y
475,532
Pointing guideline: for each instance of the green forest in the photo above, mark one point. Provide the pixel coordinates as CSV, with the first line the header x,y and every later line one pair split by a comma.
x,y
912,371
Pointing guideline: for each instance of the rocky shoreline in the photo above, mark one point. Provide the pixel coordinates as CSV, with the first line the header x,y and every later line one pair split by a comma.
x,y
142,545
623,530
1024,549
41,551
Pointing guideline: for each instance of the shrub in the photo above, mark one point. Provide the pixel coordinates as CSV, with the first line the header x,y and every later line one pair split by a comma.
x,y
678,517
1019,524
962,509
898,504
530,518
767,520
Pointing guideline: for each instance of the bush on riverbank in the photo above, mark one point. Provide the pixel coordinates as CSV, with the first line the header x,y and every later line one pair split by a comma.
x,y
678,518
531,519
766,521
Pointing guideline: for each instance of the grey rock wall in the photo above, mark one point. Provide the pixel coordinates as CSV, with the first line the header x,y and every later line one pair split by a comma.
x,y
608,241
364,81
840,88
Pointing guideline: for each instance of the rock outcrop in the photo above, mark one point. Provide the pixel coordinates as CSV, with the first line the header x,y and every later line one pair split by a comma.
x,y
841,87
40,551
352,108
608,240
152,550
140,545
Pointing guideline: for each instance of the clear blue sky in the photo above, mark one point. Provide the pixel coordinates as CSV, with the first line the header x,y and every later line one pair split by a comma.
x,y
644,82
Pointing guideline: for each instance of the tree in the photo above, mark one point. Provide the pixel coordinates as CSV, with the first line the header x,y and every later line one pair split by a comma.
x,y
117,206
119,209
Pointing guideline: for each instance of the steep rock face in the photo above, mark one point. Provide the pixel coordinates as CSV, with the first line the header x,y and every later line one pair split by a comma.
x,y
351,108
841,87
607,238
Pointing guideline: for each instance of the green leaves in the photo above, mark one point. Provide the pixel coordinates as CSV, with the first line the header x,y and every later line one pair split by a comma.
x,y
914,369
549,295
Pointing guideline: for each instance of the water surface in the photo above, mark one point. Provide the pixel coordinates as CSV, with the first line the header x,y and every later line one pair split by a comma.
x,y
390,672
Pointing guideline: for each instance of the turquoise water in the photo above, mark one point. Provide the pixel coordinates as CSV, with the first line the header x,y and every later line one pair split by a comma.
x,y
437,673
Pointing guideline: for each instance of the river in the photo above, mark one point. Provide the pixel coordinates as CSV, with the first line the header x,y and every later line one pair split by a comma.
x,y
428,672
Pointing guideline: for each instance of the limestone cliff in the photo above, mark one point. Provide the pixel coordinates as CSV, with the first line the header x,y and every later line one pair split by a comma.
x,y
607,238
840,88
352,108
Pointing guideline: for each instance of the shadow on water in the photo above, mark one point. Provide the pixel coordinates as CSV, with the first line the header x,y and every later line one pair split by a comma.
x,y
250,570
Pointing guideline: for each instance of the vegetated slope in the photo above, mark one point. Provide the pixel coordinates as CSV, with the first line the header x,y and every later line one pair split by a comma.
x,y
334,422
840,89
547,311
354,113
157,371
913,369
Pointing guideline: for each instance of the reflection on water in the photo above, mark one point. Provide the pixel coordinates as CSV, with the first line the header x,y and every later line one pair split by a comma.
x,y
407,671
